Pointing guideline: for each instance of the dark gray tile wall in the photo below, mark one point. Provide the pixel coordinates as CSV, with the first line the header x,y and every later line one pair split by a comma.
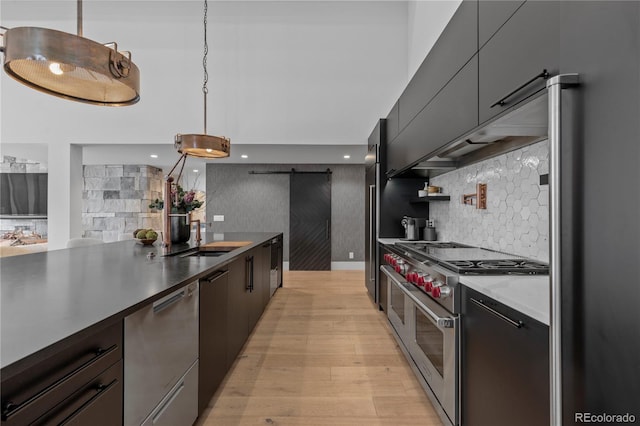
x,y
261,203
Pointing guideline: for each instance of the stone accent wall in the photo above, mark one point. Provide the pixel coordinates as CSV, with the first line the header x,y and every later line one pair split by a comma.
x,y
116,200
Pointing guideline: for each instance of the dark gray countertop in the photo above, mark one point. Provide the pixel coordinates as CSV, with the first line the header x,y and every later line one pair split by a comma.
x,y
48,297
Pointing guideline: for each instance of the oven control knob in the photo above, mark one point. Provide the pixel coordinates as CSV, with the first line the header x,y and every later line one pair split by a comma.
x,y
411,277
428,284
441,292
402,267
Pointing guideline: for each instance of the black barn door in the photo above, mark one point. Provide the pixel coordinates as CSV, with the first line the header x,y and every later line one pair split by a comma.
x,y
310,222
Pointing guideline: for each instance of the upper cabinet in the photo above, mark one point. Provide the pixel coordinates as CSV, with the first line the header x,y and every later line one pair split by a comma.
x,y
492,14
392,127
453,49
511,60
451,113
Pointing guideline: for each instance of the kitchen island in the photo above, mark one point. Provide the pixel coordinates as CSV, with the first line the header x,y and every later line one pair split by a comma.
x,y
54,300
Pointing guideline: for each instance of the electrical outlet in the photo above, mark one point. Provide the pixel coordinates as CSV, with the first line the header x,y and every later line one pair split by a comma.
x,y
218,218
350,255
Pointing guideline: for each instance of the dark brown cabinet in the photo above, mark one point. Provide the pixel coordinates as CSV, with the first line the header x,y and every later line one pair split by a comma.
x,y
213,362
525,45
81,383
238,307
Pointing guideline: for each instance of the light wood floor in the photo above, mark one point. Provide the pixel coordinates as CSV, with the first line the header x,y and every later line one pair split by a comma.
x,y
320,355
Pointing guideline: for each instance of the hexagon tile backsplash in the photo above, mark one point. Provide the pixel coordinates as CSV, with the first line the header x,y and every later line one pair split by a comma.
x,y
516,220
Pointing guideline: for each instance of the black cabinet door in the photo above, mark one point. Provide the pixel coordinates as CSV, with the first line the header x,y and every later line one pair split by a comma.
x,y
237,313
601,41
455,47
526,45
453,112
259,288
393,126
492,14
213,364
505,365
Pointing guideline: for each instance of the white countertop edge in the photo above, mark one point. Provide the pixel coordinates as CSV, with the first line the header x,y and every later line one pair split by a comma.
x,y
528,294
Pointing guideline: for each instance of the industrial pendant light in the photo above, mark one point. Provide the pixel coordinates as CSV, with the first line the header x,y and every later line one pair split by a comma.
x,y
71,66
192,145
203,145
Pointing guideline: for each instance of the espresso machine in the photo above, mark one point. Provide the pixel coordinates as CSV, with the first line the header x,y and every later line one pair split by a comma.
x,y
413,227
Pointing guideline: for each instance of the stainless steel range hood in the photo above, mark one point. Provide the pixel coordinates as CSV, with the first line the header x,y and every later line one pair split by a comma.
x,y
519,127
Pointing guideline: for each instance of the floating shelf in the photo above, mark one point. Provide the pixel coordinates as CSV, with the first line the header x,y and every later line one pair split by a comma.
x,y
430,198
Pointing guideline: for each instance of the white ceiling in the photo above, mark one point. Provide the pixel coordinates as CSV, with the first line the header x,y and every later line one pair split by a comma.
x,y
257,154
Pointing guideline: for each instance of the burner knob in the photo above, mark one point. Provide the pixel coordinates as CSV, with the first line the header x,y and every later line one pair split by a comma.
x,y
441,291
386,257
428,284
402,267
411,277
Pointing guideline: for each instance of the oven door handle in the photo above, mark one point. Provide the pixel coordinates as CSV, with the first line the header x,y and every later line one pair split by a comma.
x,y
441,322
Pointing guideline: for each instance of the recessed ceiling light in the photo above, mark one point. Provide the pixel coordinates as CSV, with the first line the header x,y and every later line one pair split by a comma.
x,y
244,156
346,157
195,170
154,156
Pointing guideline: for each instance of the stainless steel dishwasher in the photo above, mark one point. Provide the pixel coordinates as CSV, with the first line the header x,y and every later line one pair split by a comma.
x,y
161,361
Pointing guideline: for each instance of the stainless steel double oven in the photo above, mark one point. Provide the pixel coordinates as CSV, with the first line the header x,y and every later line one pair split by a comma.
x,y
430,335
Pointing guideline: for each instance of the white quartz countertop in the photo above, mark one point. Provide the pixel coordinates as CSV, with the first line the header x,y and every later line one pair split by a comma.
x,y
528,294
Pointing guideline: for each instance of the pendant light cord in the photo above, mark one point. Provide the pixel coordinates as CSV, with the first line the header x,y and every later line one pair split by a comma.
x,y
205,90
79,18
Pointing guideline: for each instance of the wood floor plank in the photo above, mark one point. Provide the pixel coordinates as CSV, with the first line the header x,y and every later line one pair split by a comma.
x,y
321,354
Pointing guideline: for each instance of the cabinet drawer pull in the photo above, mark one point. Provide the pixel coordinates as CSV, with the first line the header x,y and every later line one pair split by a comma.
x,y
480,303
10,408
502,101
168,403
99,390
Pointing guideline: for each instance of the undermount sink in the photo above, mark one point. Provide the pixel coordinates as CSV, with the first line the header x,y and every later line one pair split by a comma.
x,y
199,253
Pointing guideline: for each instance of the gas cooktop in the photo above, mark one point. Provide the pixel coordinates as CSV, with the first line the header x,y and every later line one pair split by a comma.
x,y
464,259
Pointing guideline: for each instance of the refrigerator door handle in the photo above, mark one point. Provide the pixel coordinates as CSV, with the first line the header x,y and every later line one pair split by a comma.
x,y
554,87
372,257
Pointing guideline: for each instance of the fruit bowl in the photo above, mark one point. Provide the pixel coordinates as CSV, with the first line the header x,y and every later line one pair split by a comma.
x,y
146,241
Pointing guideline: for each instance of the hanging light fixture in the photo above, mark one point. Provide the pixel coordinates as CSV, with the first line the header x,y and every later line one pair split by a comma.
x,y
71,66
193,145
203,145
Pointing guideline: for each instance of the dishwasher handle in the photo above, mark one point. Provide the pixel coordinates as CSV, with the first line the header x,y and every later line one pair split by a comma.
x,y
480,303
186,291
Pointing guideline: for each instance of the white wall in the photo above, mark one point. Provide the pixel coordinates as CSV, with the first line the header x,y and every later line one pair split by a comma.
x,y
280,72
426,20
